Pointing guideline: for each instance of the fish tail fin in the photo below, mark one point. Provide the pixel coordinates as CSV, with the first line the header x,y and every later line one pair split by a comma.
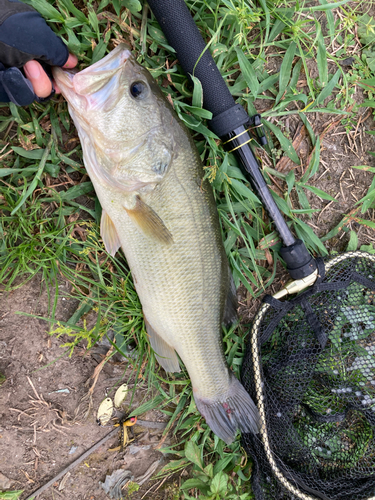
x,y
234,410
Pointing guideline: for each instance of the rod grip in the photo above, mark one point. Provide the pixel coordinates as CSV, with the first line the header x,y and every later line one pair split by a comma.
x,y
183,35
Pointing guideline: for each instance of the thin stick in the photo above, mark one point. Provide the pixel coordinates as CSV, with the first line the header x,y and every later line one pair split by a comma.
x,y
73,464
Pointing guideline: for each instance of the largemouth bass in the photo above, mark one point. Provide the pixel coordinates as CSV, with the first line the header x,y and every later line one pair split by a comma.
x,y
148,177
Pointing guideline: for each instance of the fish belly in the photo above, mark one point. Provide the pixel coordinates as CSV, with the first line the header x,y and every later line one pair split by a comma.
x,y
182,286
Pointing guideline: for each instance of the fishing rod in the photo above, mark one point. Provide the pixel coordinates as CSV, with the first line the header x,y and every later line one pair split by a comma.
x,y
230,122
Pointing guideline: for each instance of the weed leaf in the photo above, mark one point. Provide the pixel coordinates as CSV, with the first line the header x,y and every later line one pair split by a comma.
x,y
219,484
193,453
285,70
248,72
353,242
321,58
285,143
327,91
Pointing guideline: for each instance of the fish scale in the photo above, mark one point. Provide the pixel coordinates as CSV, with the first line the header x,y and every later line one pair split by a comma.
x,y
149,179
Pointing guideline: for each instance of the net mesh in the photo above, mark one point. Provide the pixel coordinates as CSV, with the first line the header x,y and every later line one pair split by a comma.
x,y
310,368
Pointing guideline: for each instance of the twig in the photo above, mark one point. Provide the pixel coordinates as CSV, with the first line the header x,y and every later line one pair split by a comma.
x,y
73,464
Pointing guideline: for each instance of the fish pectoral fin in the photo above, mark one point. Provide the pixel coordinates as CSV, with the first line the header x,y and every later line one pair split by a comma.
x,y
165,354
231,303
109,234
148,221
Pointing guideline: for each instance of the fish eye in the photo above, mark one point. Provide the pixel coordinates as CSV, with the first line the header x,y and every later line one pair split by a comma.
x,y
139,90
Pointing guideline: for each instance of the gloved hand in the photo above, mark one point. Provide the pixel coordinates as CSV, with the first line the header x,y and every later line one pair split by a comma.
x,y
25,36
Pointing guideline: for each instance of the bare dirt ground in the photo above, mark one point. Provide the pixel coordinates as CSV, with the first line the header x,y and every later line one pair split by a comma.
x,y
39,436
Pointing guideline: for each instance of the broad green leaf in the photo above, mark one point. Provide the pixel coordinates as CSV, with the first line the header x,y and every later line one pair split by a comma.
x,y
285,70
248,72
285,143
133,5
353,242
193,453
328,89
219,484
195,483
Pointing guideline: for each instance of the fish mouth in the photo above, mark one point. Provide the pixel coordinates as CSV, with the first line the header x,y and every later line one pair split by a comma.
x,y
88,88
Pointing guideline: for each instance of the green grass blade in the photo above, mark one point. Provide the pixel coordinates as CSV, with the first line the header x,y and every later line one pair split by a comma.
x,y
285,143
285,70
248,72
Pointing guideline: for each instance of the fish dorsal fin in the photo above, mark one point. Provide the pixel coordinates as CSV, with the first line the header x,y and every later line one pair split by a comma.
x,y
149,222
231,304
109,234
165,354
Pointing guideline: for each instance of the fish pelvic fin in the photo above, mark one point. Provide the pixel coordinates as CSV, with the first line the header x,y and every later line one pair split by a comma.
x,y
234,410
109,234
148,221
165,354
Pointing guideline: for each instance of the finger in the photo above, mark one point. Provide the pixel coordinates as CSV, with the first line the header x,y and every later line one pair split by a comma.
x,y
71,62
41,83
56,87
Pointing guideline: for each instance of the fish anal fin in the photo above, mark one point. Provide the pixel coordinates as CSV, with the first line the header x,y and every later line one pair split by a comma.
x,y
148,221
165,354
109,234
231,304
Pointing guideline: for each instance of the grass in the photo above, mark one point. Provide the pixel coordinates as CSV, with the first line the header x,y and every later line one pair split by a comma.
x,y
49,213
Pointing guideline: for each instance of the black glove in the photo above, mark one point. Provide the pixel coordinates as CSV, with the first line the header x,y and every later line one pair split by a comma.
x,y
24,36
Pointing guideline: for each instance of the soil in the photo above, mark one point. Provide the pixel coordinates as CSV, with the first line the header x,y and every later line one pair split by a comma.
x,y
43,401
